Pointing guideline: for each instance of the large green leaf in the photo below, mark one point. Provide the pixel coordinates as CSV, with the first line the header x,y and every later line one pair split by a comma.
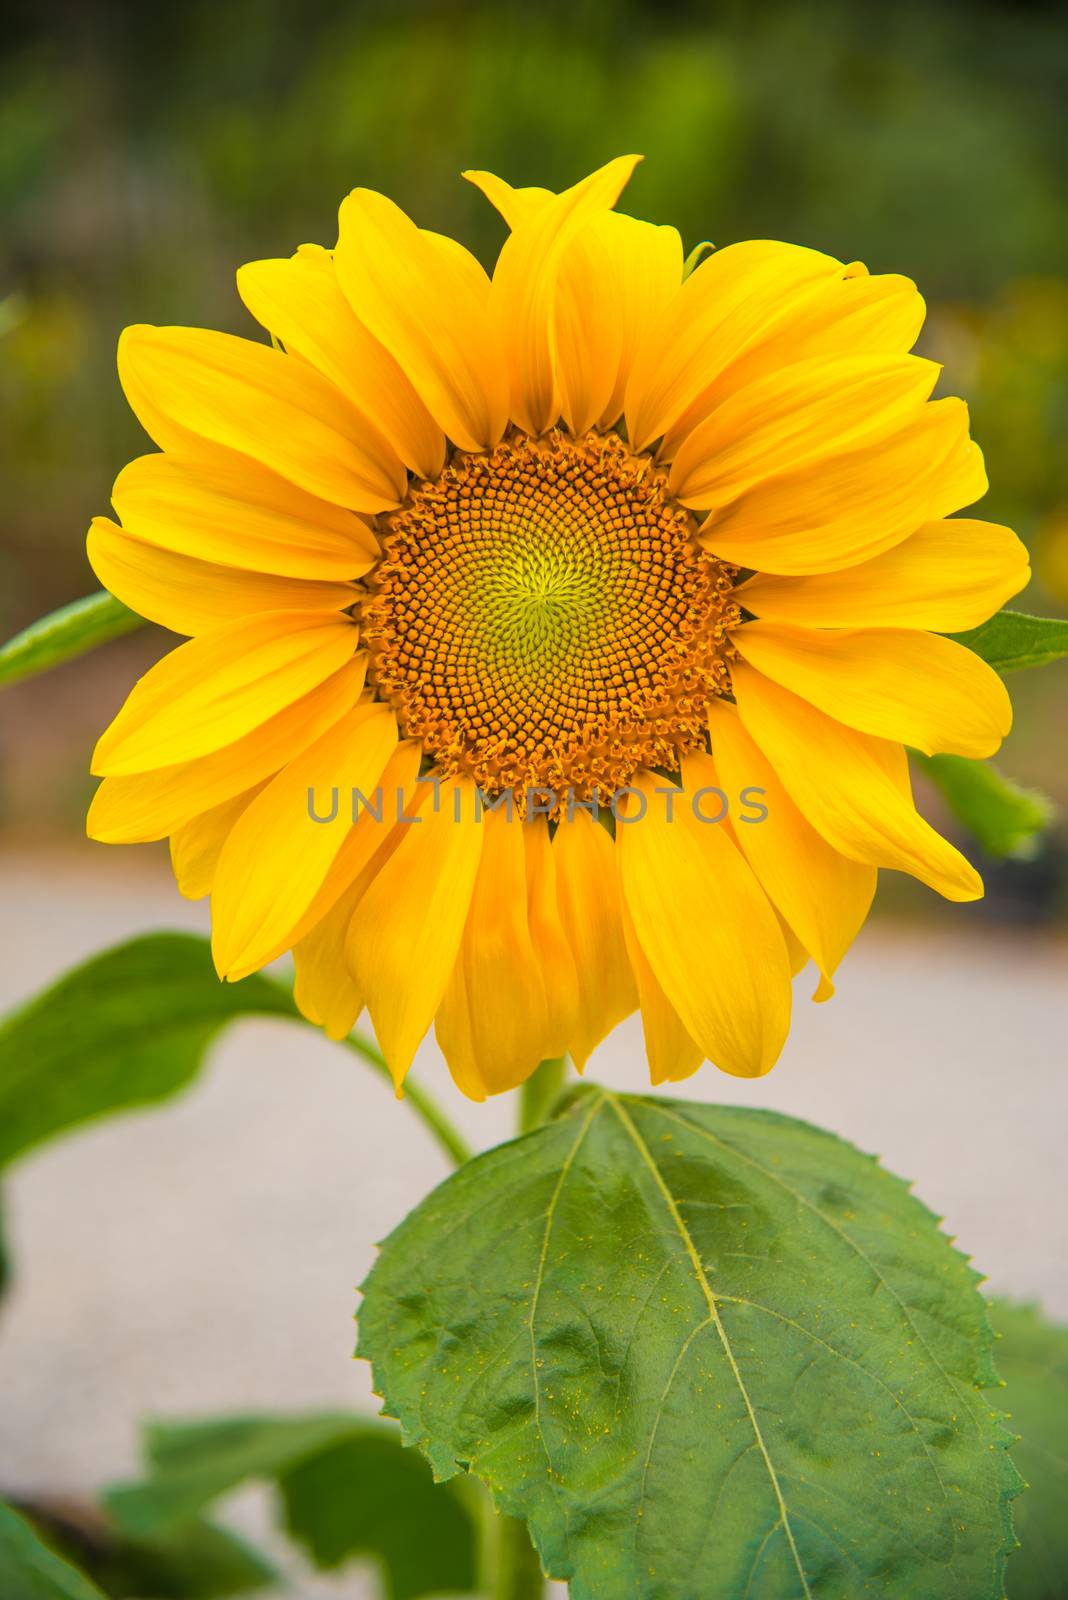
x,y
348,1489
1005,819
72,631
129,1027
29,1570
1012,639
704,1352
1033,1360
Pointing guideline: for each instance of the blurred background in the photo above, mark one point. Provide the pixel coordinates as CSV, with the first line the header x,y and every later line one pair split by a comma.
x,y
202,1257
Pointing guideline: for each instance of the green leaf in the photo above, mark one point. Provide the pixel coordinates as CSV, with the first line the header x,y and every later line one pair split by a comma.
x,y
703,1351
1005,819
1011,640
362,1498
29,1570
191,1464
1033,1359
197,1561
348,1489
127,1028
71,631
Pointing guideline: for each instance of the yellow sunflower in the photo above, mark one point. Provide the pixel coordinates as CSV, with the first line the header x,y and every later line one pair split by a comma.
x,y
464,558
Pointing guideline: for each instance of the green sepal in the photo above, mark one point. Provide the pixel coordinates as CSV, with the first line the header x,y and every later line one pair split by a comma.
x,y
1011,640
64,634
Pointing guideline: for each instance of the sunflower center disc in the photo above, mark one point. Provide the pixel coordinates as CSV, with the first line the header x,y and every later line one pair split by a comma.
x,y
542,617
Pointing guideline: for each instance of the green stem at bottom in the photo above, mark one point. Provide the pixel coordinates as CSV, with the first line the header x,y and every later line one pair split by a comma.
x,y
540,1091
518,1570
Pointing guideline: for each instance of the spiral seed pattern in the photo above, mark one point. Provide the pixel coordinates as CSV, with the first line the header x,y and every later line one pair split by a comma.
x,y
543,618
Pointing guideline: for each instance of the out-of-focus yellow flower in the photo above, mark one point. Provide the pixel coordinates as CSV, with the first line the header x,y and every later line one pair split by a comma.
x,y
589,526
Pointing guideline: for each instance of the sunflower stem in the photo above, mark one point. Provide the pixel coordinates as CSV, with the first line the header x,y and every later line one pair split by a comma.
x,y
424,1105
540,1091
518,1575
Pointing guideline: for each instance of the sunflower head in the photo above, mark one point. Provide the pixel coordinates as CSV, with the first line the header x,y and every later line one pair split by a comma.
x,y
555,637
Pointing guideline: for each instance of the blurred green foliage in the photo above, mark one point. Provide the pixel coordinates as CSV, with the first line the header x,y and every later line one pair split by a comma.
x,y
145,151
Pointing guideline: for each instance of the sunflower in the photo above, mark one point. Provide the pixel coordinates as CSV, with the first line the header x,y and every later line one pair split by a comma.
x,y
461,557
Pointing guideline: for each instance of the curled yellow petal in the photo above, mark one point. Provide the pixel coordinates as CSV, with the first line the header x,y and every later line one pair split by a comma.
x,y
324,989
822,895
853,788
197,845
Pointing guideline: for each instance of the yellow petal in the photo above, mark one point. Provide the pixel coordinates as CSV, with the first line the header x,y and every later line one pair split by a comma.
x,y
856,505
648,265
588,894
822,895
227,509
523,293
615,279
271,407
707,930
494,1025
324,989
897,683
586,325
516,206
197,844
150,805
853,788
452,1030
947,576
218,687
367,846
842,315
797,955
277,856
671,1053
796,418
403,942
424,307
718,312
457,259
192,596
553,960
300,301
